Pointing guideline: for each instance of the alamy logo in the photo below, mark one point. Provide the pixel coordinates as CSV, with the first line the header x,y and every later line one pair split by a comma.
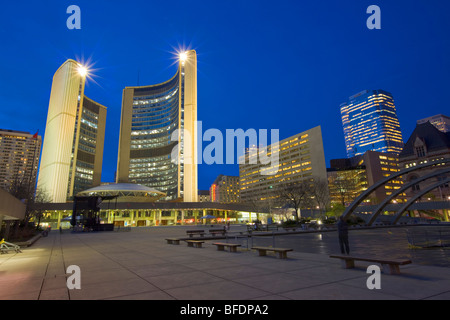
x,y
230,148
74,21
374,21
374,281
74,280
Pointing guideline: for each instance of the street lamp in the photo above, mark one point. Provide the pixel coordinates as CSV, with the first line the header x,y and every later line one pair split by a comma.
x,y
183,56
82,70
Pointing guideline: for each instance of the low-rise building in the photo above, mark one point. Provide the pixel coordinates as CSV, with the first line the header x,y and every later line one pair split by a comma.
x,y
225,189
349,177
440,121
426,143
204,196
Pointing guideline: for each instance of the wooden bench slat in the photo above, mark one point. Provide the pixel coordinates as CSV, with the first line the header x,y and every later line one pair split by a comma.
x,y
282,252
272,249
194,243
221,246
368,259
193,232
173,241
391,264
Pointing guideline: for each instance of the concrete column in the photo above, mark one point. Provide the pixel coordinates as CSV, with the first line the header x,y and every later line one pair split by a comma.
x,y
195,216
190,180
58,224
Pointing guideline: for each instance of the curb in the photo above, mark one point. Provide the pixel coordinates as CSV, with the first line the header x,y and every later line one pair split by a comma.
x,y
29,242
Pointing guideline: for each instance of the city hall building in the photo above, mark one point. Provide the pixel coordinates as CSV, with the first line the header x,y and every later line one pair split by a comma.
x,y
133,205
72,152
158,134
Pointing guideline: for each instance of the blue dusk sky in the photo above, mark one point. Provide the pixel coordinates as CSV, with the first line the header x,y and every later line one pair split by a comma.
x,y
284,65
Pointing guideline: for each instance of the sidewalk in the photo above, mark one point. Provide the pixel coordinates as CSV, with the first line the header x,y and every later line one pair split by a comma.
x,y
139,264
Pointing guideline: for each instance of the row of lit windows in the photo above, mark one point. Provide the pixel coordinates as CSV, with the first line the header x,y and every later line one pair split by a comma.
x,y
159,112
154,98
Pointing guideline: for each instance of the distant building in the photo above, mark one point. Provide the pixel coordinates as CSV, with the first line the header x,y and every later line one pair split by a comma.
x,y
370,122
426,143
203,196
300,157
225,189
19,159
348,178
72,152
440,121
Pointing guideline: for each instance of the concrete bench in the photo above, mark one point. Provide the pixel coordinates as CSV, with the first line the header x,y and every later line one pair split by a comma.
x,y
221,246
393,265
217,232
194,243
282,252
173,241
195,232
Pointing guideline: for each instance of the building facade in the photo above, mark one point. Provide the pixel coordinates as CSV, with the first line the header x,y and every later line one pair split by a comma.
x,y
204,196
158,134
72,152
86,170
300,157
147,214
426,144
370,122
440,121
225,189
348,178
19,159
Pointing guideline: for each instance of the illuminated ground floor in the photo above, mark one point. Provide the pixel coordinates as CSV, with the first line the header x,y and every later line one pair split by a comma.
x,y
156,214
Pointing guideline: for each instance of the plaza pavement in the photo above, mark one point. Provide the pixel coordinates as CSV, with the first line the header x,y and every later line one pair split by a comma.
x,y
140,265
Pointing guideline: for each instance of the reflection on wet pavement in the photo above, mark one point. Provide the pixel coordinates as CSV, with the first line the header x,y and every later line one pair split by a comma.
x,y
391,242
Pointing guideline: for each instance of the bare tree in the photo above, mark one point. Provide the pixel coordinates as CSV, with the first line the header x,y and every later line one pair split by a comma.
x,y
28,194
40,197
254,202
320,192
297,195
344,185
258,205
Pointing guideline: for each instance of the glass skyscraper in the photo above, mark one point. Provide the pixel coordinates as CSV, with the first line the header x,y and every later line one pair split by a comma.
x,y
153,148
370,122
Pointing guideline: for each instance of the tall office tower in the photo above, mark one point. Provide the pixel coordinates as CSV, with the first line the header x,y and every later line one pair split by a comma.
x,y
19,159
370,122
300,158
440,121
72,152
158,134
